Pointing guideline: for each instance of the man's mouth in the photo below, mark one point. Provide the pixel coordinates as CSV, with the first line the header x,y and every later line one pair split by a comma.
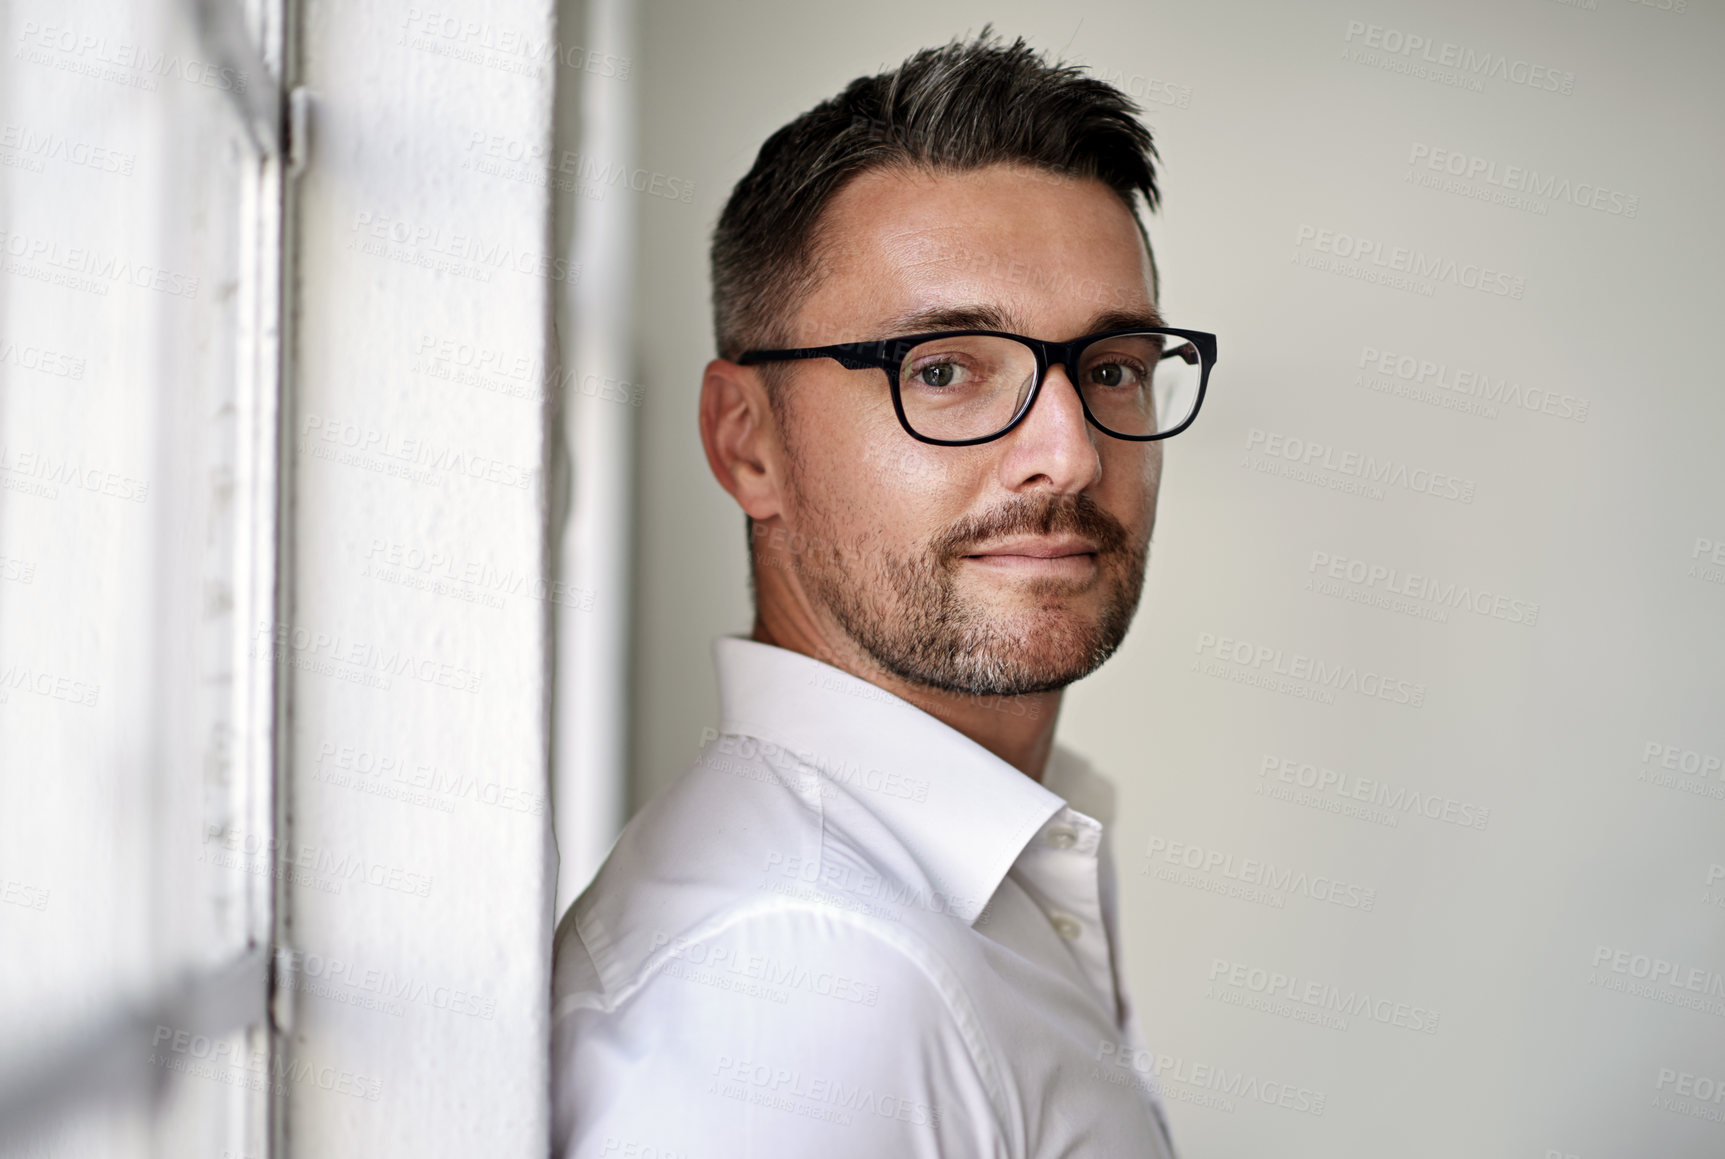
x,y
1039,556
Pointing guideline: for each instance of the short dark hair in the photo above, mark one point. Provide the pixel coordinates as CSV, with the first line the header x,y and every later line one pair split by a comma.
x,y
963,106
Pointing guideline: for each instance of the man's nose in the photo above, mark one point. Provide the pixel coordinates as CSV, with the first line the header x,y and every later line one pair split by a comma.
x,y
1054,446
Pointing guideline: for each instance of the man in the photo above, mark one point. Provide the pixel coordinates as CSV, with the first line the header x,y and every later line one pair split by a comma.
x,y
876,918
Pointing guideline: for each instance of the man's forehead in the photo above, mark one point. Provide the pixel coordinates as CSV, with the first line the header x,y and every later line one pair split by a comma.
x,y
981,250
930,230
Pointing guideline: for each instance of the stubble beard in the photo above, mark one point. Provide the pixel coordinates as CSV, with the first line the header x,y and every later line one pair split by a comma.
x,y
907,612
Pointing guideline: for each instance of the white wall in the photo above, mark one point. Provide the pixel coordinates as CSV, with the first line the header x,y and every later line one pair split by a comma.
x,y
1590,859
420,701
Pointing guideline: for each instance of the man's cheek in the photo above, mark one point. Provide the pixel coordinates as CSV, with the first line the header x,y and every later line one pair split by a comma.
x,y
1131,475
1152,469
918,473
1149,483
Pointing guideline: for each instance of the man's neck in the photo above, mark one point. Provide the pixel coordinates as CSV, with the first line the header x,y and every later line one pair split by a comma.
x,y
1017,729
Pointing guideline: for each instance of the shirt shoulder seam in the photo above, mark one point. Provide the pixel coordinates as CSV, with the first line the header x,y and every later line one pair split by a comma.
x,y
918,952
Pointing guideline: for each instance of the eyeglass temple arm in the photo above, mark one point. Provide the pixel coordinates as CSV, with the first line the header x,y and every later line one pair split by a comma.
x,y
850,355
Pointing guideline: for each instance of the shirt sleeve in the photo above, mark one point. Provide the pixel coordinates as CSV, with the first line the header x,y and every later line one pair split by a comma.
x,y
787,1033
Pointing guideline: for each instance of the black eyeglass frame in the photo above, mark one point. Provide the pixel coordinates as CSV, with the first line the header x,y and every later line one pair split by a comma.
x,y
889,354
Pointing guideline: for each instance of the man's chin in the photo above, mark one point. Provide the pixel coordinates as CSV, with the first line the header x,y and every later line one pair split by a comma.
x,y
1038,634
1034,648
997,646
1009,591
987,628
1014,671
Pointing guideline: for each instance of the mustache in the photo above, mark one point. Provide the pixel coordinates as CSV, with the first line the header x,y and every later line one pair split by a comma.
x,y
1027,515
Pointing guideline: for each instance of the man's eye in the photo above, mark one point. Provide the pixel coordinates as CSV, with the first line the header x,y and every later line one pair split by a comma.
x,y
1113,374
937,374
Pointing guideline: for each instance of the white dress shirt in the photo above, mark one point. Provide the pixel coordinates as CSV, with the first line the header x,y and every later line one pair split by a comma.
x,y
850,931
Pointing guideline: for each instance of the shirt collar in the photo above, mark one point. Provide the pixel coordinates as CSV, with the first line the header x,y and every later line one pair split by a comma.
x,y
962,813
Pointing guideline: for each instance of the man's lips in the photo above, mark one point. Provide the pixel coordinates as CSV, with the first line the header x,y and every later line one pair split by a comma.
x,y
1065,557
1055,548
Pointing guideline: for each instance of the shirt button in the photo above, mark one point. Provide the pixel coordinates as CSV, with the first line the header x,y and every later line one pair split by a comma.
x,y
1066,926
1062,838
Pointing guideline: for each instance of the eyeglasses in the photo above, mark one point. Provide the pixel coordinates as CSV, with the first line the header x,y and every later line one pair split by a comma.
x,y
957,388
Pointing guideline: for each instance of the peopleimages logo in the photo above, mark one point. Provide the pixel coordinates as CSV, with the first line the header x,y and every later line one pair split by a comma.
x,y
1388,44
42,360
1157,1070
499,46
1370,581
1255,880
1358,465
90,270
1147,89
516,374
137,66
1238,980
1712,554
329,653
1301,666
736,964
403,769
1370,253
226,1061
56,686
826,1098
262,850
1651,968
494,153
1685,770
1458,385
1376,794
451,250
405,456
301,967
51,146
1516,179
1686,1093
20,469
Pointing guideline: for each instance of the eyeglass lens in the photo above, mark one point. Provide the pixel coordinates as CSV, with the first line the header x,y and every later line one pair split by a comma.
x,y
972,386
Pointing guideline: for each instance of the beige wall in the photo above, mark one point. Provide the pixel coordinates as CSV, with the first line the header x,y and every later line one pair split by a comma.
x,y
1593,493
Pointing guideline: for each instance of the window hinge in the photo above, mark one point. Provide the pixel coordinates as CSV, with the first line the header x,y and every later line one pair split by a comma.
x,y
298,130
285,983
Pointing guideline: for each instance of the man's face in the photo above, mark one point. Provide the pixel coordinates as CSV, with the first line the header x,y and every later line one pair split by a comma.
x,y
1012,566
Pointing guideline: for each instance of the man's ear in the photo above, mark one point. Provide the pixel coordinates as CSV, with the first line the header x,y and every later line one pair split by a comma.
x,y
741,437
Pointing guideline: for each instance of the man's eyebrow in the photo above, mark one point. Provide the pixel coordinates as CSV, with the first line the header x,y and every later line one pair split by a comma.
x,y
930,318
1149,319
982,316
